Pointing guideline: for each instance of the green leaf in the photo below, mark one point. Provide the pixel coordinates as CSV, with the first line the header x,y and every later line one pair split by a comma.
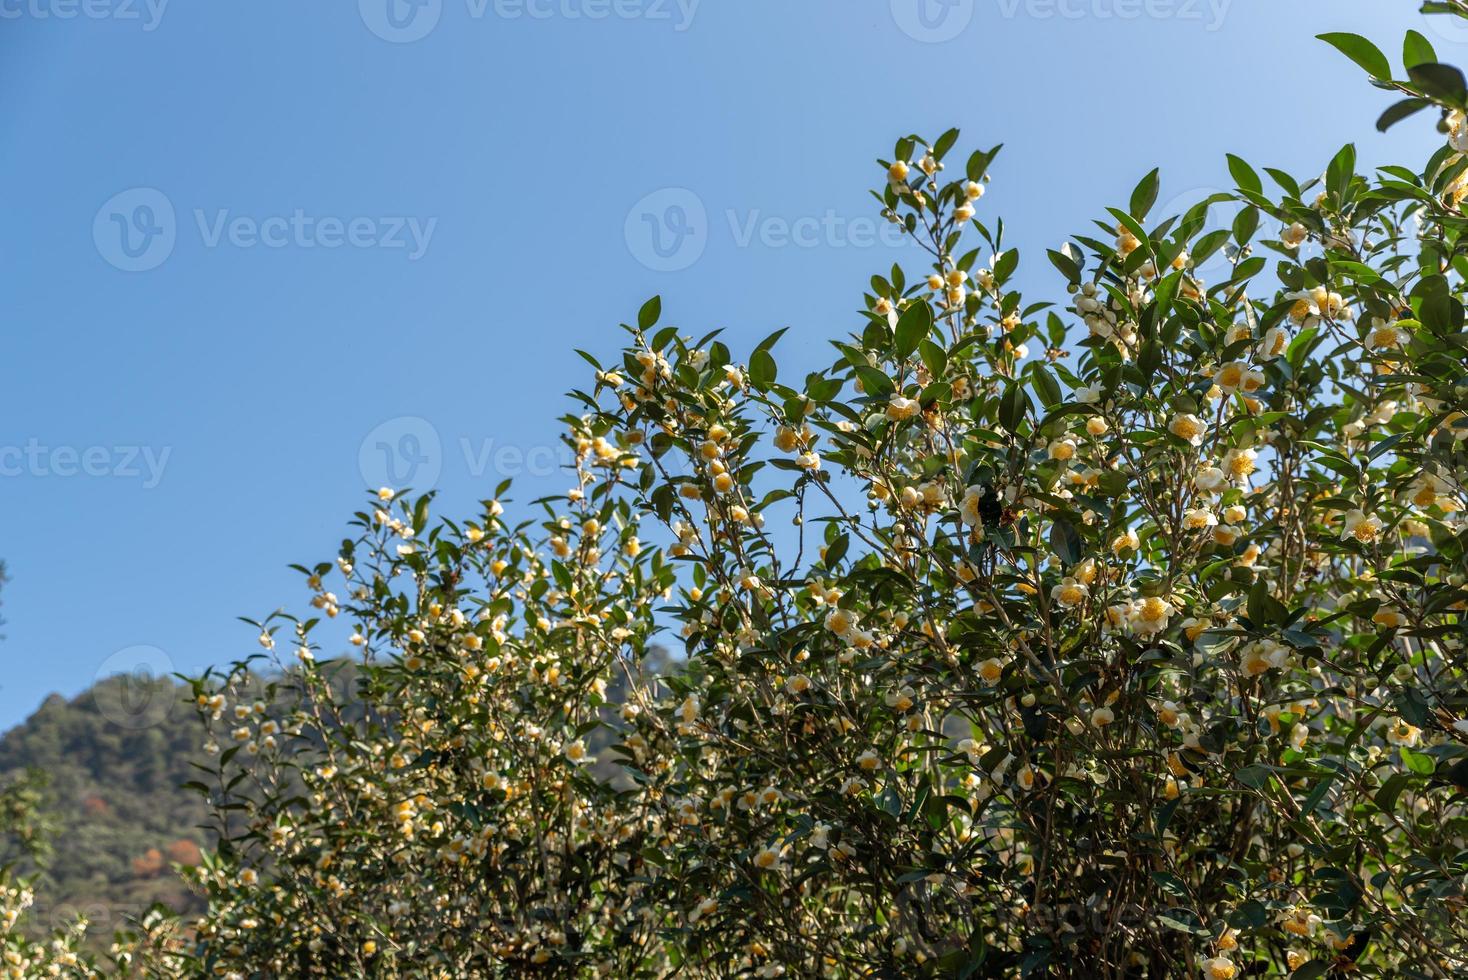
x,y
1046,386
1317,794
770,341
1144,196
913,326
1417,50
1311,970
1245,224
1065,264
1386,797
1361,51
1255,777
1149,359
1265,609
1131,225
1166,292
1341,169
873,382
1065,541
1006,265
933,357
762,369
944,144
1418,762
650,312
1209,244
1442,82
1399,111
978,164
1244,175
1012,407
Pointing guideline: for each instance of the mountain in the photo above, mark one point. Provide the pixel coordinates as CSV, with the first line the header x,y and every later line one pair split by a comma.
x,y
112,760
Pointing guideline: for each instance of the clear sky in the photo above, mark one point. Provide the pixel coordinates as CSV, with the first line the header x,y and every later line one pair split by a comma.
x,y
256,254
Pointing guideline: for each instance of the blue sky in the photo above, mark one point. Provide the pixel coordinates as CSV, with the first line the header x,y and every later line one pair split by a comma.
x,y
256,253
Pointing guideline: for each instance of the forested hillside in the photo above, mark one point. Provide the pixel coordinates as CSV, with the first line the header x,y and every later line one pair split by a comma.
x,y
113,760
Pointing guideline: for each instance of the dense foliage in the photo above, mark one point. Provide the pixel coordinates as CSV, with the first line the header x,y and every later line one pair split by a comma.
x,y
1129,653
1011,648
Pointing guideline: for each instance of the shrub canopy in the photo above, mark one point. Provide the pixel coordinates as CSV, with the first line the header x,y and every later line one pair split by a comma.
x,y
1119,635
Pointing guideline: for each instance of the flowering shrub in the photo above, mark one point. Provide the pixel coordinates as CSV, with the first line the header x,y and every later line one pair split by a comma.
x,y
58,948
1011,649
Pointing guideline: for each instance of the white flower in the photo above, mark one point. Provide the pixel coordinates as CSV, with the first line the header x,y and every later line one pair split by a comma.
x,y
1313,304
1401,733
1128,539
1276,341
1361,526
968,508
1189,428
1063,449
1239,464
899,408
1457,131
1262,656
1210,479
1220,968
1199,518
1069,593
1238,376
